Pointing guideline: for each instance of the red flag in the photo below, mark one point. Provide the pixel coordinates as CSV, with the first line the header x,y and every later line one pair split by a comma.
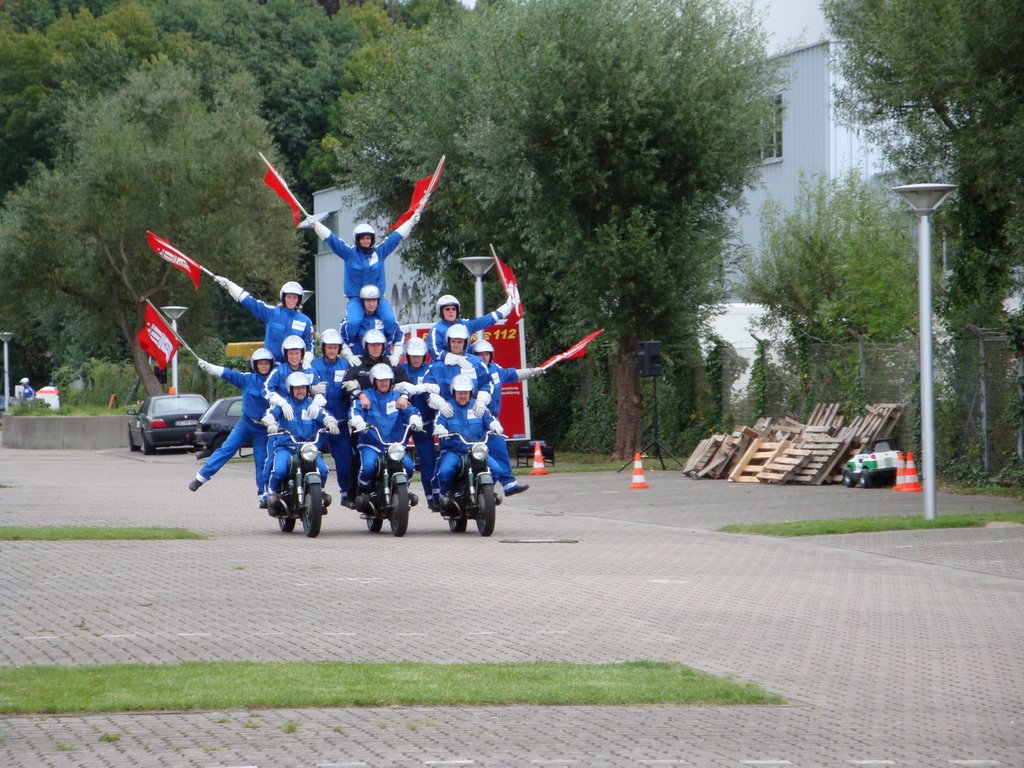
x,y
579,349
172,255
275,181
421,194
511,286
157,339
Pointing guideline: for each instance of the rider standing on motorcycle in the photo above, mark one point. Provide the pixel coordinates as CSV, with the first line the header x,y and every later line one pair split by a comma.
x,y
390,413
448,312
416,366
275,388
303,426
353,347
466,421
281,321
248,428
328,374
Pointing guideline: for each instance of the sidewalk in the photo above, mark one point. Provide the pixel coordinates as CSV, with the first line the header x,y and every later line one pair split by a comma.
x,y
892,649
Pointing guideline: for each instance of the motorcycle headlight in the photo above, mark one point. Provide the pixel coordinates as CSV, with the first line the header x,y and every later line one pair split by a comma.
x,y
308,452
479,452
396,451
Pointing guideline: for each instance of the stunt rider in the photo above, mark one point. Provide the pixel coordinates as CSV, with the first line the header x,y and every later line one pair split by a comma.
x,y
416,366
390,413
282,321
448,312
465,421
303,426
248,428
369,296
328,374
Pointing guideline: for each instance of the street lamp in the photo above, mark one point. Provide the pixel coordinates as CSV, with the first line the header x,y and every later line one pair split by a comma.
x,y
925,199
174,313
478,266
6,336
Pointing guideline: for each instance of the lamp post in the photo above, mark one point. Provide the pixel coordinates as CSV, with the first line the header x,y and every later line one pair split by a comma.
x,y
174,313
478,266
925,199
6,336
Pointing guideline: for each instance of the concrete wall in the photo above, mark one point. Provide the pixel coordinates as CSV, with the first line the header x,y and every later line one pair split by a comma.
x,y
87,432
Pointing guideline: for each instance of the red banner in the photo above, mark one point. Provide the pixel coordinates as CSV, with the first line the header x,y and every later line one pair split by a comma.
x,y
157,339
172,255
579,349
276,182
421,194
511,286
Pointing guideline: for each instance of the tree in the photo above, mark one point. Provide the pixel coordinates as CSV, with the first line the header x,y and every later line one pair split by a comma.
x,y
837,268
943,88
155,155
601,143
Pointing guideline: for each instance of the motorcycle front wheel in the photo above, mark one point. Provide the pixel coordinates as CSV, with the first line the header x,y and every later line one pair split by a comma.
x,y
486,519
399,517
457,524
312,511
286,524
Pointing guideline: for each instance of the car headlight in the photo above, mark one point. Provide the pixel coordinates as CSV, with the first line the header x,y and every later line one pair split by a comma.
x,y
479,452
309,452
396,451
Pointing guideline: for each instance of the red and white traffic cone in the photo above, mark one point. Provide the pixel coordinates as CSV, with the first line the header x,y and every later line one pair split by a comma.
x,y
912,483
638,474
538,461
901,473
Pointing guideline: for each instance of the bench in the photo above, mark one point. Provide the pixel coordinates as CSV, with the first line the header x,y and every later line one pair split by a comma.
x,y
524,453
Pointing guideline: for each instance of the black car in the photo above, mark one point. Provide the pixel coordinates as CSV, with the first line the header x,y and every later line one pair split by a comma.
x,y
165,421
219,419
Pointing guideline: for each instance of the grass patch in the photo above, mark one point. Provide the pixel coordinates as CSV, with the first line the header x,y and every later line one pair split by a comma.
x,y
70,533
872,524
222,685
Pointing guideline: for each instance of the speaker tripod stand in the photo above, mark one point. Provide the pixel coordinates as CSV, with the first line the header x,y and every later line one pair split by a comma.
x,y
655,441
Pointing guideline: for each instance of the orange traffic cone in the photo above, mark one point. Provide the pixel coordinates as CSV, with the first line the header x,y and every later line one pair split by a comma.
x,y
912,483
638,474
901,472
538,461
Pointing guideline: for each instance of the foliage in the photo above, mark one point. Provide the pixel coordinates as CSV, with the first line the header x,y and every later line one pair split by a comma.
x,y
1012,473
602,143
871,524
55,533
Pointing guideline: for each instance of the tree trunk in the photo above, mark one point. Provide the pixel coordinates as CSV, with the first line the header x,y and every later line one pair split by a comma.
x,y
629,409
144,369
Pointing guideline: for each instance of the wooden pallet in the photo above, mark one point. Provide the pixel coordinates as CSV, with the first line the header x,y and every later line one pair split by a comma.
x,y
729,452
827,455
760,453
784,466
702,454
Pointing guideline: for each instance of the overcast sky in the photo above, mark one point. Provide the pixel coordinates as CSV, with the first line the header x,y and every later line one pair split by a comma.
x,y
790,23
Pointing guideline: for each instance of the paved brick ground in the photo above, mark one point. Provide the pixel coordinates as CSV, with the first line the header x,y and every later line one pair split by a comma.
x,y
892,649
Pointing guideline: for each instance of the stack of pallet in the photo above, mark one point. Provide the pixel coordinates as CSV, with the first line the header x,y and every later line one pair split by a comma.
x,y
788,451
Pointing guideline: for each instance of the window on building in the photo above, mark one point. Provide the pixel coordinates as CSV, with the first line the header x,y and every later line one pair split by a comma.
x,y
771,141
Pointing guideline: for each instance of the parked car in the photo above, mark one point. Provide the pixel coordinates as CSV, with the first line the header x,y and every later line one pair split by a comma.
x,y
214,426
875,466
165,421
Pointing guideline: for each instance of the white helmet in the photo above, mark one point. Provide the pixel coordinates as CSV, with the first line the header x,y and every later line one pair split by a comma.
x,y
416,346
292,287
24,380
369,292
330,336
260,354
462,383
447,301
362,228
296,379
482,346
457,331
381,371
374,336
292,342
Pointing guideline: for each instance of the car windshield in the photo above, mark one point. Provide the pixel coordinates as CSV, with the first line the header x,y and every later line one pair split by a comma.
x,y
882,446
183,404
235,408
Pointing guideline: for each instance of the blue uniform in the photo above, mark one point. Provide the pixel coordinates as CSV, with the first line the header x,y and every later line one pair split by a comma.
x,y
280,323
362,268
27,393
471,427
390,421
437,338
338,403
499,376
424,441
303,426
248,428
275,382
391,330
441,373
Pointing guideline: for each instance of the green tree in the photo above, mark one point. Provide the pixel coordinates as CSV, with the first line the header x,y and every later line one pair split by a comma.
x,y
600,144
837,268
155,155
942,86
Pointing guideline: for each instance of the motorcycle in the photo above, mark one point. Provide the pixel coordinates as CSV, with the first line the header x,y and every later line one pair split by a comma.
x,y
390,498
302,494
472,496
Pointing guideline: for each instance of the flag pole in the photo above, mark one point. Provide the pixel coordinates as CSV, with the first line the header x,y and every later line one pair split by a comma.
x,y
173,330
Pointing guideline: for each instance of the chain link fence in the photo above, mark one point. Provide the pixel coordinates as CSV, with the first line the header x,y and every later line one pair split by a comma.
x,y
977,401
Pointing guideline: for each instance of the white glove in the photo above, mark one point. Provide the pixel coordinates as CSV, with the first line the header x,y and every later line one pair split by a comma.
x,y
357,423
351,386
497,428
405,388
416,423
319,401
526,373
354,361
395,358
441,431
440,405
332,425
234,291
408,224
321,231
424,389
483,399
506,309
287,412
320,388
270,423
210,368
307,359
